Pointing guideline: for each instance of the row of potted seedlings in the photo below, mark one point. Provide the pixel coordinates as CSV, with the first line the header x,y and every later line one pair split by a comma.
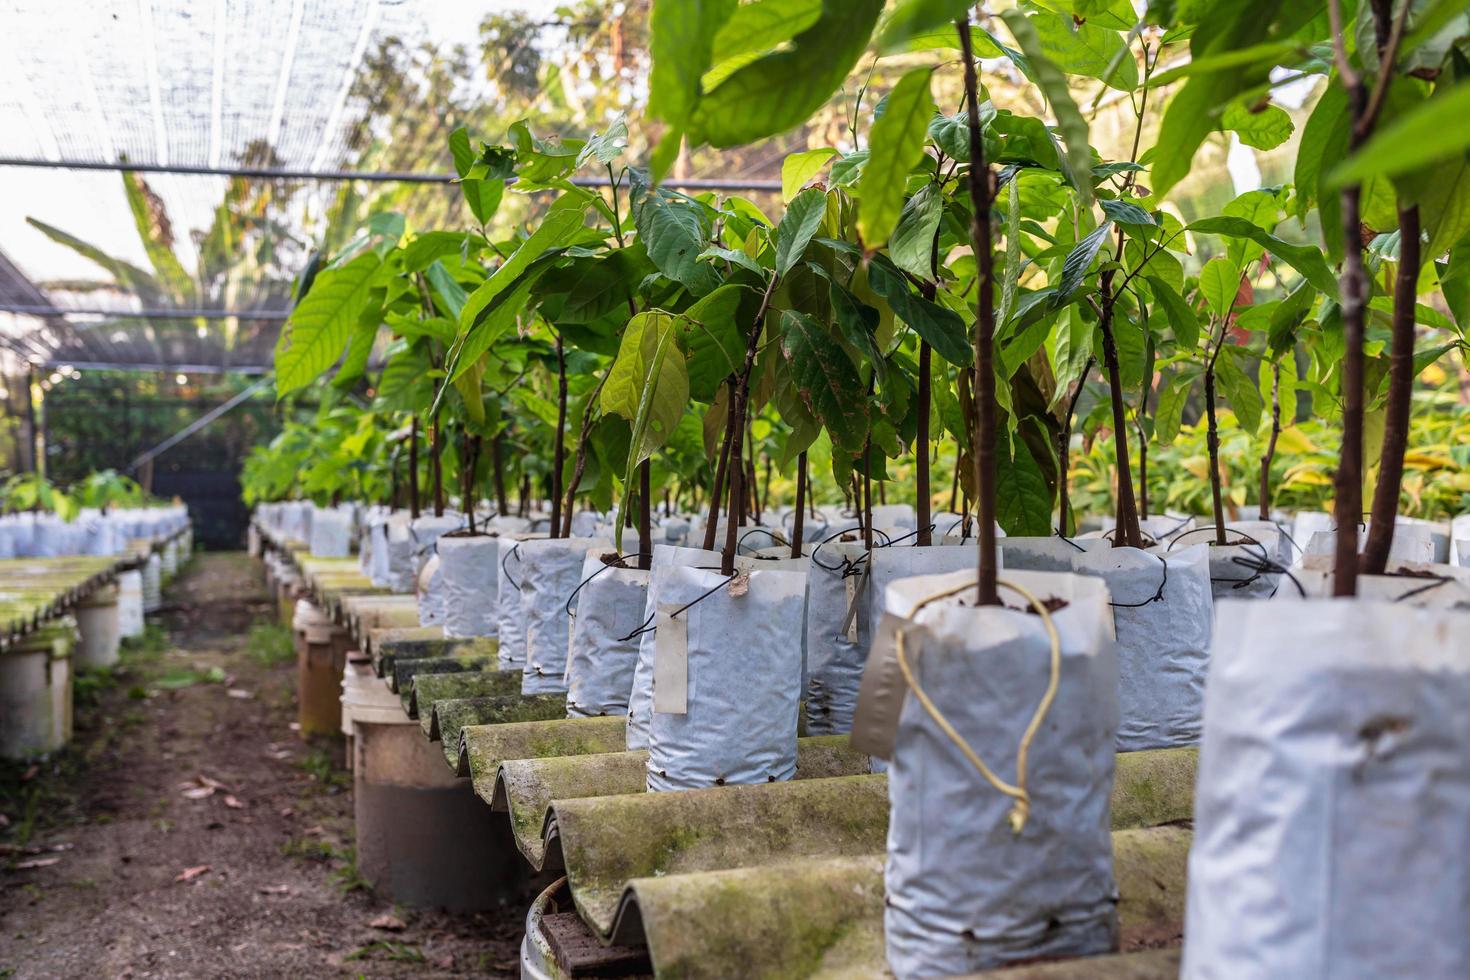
x,y
951,289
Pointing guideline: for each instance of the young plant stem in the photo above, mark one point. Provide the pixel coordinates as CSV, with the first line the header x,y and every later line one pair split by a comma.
x,y
1212,435
921,454
985,423
497,467
1400,399
1142,461
766,485
559,452
738,406
413,467
645,516
1064,456
1348,481
579,462
523,507
954,480
471,453
1265,492
716,492
867,494
436,465
1127,533
798,523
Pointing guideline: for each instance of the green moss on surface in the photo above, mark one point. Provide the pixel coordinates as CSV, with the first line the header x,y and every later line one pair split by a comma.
x,y
451,716
1149,867
426,688
607,841
1154,788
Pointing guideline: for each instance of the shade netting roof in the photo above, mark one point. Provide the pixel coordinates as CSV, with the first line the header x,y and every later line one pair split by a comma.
x,y
282,84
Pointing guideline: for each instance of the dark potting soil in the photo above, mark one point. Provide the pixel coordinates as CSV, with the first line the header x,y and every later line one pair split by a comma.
x,y
189,832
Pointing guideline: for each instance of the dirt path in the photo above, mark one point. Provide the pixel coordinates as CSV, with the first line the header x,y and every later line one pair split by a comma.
x,y
188,832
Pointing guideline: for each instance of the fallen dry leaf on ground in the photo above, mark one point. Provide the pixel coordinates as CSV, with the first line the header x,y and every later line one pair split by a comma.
x,y
189,874
275,890
233,802
239,692
37,863
391,923
197,792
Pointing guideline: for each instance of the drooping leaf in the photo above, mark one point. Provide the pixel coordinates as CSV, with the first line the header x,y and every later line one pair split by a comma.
x,y
1305,259
912,18
1053,83
762,25
681,42
1128,213
942,328
1182,318
782,88
1264,129
1435,130
798,226
912,244
1023,502
1076,264
1085,48
562,221
318,329
1170,408
648,381
1219,281
672,229
713,340
1240,389
798,168
826,380
895,144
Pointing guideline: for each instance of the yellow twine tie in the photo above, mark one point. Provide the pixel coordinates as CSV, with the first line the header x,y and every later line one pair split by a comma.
x,y
1022,808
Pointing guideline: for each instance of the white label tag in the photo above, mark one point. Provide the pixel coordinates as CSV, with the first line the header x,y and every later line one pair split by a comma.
x,y
671,662
851,585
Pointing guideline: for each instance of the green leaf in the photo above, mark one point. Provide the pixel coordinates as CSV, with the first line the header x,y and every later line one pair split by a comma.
x,y
482,197
1170,409
461,151
1053,84
783,88
1326,127
798,168
735,257
1265,129
1433,131
1287,316
562,221
912,244
1023,501
713,339
155,232
1306,259
1076,264
1128,213
762,25
912,18
125,274
941,328
681,43
1194,111
672,228
446,289
607,145
430,245
1219,281
1081,49
494,321
1011,275
825,379
1240,391
1182,318
320,325
647,384
798,225
895,144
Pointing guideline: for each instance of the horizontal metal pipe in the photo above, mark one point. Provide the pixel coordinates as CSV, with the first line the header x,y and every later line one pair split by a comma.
x,y
373,176
146,314
161,368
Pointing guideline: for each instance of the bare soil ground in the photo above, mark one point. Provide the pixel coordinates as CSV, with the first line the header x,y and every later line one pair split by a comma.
x,y
189,832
